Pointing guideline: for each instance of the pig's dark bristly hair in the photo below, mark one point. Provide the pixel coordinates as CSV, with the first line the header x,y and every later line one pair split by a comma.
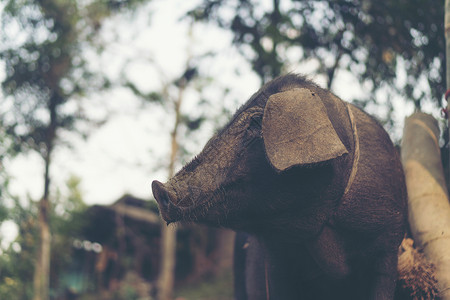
x,y
189,167
277,85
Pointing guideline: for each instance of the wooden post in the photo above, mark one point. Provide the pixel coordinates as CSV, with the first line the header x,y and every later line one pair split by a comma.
x,y
429,208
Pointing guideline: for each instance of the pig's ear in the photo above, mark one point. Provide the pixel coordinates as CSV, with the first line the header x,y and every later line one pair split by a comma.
x,y
297,131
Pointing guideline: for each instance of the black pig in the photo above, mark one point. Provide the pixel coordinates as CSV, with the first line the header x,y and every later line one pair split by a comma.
x,y
315,184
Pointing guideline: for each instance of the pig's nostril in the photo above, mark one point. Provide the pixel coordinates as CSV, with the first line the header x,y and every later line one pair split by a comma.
x,y
160,193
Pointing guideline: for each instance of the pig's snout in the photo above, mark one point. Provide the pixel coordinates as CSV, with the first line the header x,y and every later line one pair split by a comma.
x,y
169,211
167,199
172,205
161,194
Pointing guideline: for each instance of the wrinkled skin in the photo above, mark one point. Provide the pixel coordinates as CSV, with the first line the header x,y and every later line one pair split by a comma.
x,y
313,186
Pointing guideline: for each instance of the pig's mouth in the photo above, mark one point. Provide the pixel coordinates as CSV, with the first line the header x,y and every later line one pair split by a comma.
x,y
184,209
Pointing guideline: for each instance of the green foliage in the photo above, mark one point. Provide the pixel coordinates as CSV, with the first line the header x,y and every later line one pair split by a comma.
x,y
44,68
68,221
42,49
68,218
17,261
7,151
146,97
368,38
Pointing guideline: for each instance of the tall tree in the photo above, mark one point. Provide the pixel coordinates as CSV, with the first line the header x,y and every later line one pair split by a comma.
x,y
42,43
166,277
369,38
174,92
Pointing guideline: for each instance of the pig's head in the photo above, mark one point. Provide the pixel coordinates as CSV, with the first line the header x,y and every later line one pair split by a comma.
x,y
258,166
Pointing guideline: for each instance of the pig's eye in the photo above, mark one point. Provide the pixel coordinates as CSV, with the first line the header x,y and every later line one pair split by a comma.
x,y
255,122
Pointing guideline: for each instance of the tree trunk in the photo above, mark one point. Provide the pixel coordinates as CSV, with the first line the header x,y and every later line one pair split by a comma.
x,y
166,278
429,209
167,274
41,279
42,268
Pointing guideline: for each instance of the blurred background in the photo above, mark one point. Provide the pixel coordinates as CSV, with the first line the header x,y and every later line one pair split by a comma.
x,y
100,97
